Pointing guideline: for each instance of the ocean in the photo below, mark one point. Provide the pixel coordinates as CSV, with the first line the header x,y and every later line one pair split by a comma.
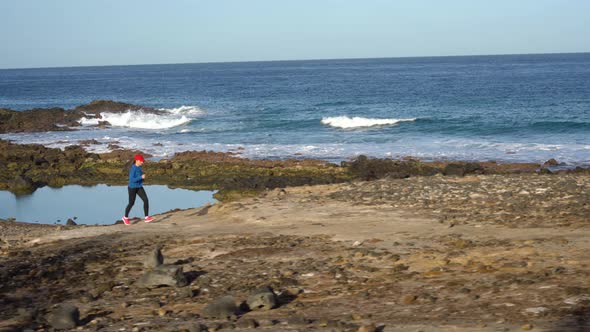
x,y
513,108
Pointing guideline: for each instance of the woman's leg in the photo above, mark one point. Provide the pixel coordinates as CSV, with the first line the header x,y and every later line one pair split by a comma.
x,y
132,192
146,202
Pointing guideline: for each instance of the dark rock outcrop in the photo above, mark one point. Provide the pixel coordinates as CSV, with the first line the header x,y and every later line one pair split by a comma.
x,y
48,119
99,106
371,168
59,119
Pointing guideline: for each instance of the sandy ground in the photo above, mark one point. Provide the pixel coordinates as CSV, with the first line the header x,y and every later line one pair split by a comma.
x,y
357,262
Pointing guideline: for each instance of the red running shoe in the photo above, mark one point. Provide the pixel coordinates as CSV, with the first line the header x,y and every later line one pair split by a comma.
x,y
148,219
126,221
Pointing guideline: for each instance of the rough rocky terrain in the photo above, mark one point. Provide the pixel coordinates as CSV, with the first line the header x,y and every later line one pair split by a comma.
x,y
438,253
26,167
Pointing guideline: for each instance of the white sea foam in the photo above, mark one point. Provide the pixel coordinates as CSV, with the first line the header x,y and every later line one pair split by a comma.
x,y
346,122
427,148
141,120
185,110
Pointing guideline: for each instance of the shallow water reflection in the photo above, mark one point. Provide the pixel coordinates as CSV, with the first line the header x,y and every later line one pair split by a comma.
x,y
101,204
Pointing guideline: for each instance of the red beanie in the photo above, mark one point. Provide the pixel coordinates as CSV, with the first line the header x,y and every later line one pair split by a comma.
x,y
139,157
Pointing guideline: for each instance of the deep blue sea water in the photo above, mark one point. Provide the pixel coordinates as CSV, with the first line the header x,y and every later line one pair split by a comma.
x,y
506,108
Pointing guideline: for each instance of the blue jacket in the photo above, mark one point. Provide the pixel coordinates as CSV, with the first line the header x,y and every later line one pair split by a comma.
x,y
135,180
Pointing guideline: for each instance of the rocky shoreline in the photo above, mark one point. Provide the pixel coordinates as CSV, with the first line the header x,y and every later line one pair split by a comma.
x,y
26,167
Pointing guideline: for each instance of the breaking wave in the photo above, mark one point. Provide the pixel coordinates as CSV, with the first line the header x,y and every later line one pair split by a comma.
x,y
169,118
346,122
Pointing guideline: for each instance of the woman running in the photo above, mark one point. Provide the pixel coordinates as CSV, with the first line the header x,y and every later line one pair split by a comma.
x,y
135,188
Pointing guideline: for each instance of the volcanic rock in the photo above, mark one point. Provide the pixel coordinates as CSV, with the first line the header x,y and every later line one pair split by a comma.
x,y
222,307
65,316
154,259
262,299
163,275
22,184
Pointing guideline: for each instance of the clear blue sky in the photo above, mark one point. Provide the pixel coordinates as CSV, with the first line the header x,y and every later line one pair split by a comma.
x,y
50,33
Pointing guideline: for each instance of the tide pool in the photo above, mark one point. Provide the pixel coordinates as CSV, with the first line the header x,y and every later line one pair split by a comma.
x,y
90,205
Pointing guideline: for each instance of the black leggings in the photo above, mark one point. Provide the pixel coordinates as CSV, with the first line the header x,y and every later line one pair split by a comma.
x,y
134,192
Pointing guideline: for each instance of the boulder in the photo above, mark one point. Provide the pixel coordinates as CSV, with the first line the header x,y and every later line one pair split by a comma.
x,y
163,275
550,162
262,299
222,307
153,259
22,184
65,316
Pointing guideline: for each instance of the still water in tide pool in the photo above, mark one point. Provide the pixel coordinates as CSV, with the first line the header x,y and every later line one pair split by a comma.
x,y
101,204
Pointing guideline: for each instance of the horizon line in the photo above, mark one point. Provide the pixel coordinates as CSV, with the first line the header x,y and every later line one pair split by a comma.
x,y
296,60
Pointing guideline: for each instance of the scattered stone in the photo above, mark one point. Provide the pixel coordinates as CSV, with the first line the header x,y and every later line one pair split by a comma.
x,y
163,275
222,307
527,327
65,316
154,259
262,299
